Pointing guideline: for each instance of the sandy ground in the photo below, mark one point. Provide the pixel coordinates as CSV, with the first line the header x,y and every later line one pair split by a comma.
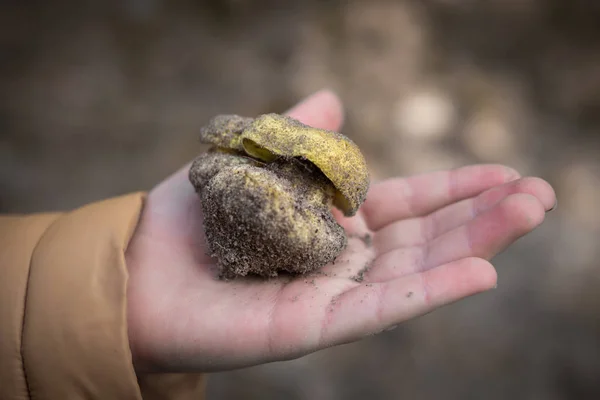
x,y
100,98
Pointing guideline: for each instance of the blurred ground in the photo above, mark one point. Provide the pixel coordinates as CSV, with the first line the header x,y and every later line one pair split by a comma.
x,y
100,98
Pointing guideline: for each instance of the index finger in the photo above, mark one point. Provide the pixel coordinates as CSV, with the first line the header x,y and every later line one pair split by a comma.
x,y
416,196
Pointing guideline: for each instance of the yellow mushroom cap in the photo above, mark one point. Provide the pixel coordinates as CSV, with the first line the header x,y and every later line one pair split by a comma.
x,y
271,136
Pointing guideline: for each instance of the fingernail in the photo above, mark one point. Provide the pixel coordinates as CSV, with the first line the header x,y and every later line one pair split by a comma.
x,y
512,174
554,206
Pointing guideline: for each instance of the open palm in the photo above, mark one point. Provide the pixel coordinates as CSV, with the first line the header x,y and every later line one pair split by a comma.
x,y
415,245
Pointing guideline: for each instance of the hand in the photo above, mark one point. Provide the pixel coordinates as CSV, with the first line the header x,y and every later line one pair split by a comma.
x,y
415,245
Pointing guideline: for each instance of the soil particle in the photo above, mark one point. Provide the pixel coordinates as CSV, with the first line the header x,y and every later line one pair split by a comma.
x,y
367,239
360,275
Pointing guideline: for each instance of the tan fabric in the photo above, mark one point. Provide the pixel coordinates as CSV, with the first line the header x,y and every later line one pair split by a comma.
x,y
63,332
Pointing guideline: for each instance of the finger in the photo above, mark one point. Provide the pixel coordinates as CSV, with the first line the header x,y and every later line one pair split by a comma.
x,y
484,237
371,308
457,214
418,231
420,195
489,233
322,110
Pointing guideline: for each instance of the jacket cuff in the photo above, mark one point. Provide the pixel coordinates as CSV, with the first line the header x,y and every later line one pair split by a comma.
x,y
74,339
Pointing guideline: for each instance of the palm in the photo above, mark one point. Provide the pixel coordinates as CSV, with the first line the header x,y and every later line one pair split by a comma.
x,y
415,245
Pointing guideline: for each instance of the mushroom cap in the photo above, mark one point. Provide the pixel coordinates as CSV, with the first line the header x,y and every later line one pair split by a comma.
x,y
271,136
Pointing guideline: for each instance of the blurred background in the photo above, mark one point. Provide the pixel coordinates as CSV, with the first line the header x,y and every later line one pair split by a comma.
x,y
98,98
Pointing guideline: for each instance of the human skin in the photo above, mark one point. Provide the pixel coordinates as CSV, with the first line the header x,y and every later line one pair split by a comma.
x,y
432,238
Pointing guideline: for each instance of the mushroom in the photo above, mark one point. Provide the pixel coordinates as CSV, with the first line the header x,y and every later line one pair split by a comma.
x,y
267,186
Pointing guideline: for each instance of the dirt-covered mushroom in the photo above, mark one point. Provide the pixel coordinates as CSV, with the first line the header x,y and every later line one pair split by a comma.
x,y
267,187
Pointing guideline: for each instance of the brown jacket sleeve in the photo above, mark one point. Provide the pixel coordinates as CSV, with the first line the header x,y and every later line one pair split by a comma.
x,y
63,332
